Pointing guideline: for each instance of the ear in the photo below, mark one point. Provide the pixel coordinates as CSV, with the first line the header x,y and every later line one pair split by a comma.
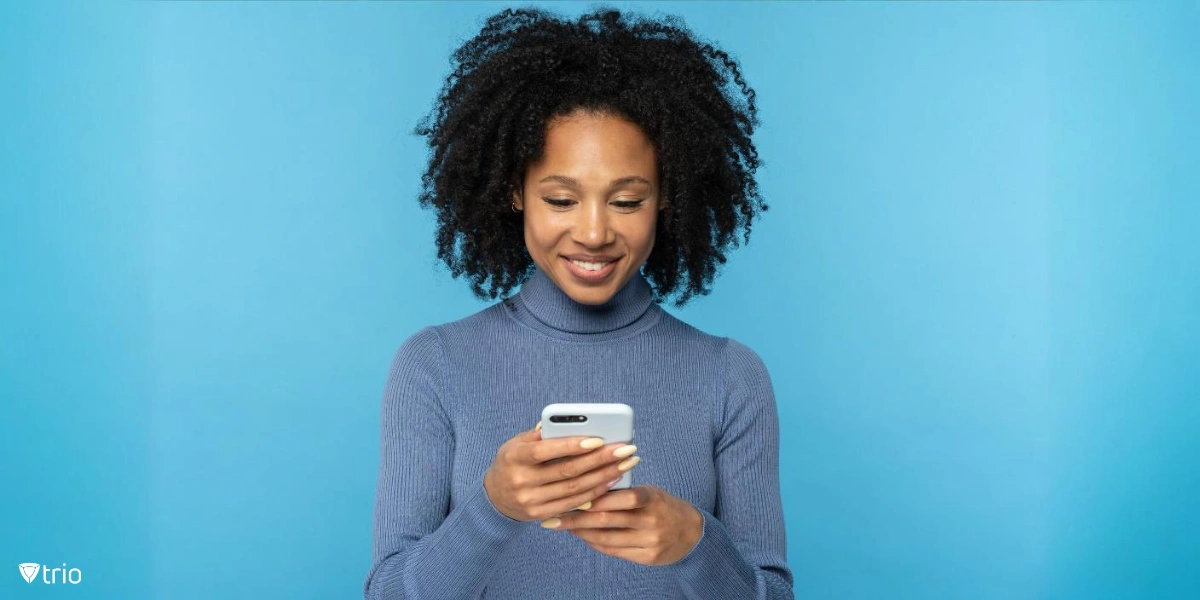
x,y
517,200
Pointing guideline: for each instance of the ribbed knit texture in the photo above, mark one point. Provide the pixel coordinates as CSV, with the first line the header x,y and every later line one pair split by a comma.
x,y
707,432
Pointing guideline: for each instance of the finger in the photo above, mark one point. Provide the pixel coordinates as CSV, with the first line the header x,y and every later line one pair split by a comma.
x,y
540,451
613,538
566,468
556,508
530,435
610,473
622,519
626,499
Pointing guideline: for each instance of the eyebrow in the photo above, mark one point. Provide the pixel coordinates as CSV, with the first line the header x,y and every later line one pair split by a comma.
x,y
575,183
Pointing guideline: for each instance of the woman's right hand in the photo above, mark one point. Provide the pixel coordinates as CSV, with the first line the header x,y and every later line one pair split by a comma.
x,y
533,479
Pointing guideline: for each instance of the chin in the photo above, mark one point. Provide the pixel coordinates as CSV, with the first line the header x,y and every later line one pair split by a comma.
x,y
592,296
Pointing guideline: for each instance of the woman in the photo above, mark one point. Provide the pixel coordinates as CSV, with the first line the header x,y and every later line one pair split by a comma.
x,y
603,165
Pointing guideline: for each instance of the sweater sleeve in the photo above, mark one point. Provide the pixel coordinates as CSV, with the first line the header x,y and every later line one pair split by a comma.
x,y
421,548
742,550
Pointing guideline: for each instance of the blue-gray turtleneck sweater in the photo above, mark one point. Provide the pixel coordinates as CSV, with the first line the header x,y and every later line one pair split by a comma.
x,y
707,432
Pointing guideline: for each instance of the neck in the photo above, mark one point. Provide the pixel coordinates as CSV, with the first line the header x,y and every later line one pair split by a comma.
x,y
552,307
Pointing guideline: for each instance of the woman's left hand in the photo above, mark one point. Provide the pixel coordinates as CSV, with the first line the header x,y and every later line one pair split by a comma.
x,y
642,524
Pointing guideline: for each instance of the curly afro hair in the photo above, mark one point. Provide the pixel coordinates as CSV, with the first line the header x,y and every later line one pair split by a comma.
x,y
526,67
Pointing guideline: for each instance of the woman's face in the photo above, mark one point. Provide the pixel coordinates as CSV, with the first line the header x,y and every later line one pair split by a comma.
x,y
594,195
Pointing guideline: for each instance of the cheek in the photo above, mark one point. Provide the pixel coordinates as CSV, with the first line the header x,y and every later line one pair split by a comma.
x,y
645,237
540,237
537,237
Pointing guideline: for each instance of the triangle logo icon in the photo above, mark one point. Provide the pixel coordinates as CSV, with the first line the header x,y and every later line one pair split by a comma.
x,y
29,571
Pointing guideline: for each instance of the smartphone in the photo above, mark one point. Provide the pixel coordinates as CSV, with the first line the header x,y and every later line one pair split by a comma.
x,y
612,422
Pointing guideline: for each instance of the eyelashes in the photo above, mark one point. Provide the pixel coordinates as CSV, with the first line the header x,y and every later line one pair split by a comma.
x,y
565,202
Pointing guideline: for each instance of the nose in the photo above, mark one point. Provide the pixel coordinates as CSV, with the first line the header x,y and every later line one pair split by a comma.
x,y
592,227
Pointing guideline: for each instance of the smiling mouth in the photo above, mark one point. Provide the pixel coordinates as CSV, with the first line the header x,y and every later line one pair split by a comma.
x,y
590,272
590,266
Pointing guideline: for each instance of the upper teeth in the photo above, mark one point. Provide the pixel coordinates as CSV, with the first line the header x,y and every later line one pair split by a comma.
x,y
590,266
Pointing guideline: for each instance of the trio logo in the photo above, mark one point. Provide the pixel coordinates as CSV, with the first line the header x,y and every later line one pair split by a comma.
x,y
30,571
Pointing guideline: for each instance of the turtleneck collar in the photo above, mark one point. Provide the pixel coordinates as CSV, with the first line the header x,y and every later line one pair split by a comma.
x,y
542,299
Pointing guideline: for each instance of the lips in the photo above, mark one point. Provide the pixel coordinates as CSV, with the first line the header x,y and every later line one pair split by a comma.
x,y
586,276
596,258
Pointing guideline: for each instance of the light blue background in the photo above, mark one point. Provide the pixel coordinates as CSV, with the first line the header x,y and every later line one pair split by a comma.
x,y
977,289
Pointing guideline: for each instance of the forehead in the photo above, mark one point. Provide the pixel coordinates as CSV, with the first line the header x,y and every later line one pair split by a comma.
x,y
596,149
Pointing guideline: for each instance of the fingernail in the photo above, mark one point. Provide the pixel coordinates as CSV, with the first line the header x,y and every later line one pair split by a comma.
x,y
591,443
628,463
624,451
614,482
552,523
584,506
539,426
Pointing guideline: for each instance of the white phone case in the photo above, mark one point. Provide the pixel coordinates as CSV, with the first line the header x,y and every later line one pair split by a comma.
x,y
612,422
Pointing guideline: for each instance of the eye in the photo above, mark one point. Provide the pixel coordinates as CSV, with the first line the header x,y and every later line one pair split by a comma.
x,y
565,202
